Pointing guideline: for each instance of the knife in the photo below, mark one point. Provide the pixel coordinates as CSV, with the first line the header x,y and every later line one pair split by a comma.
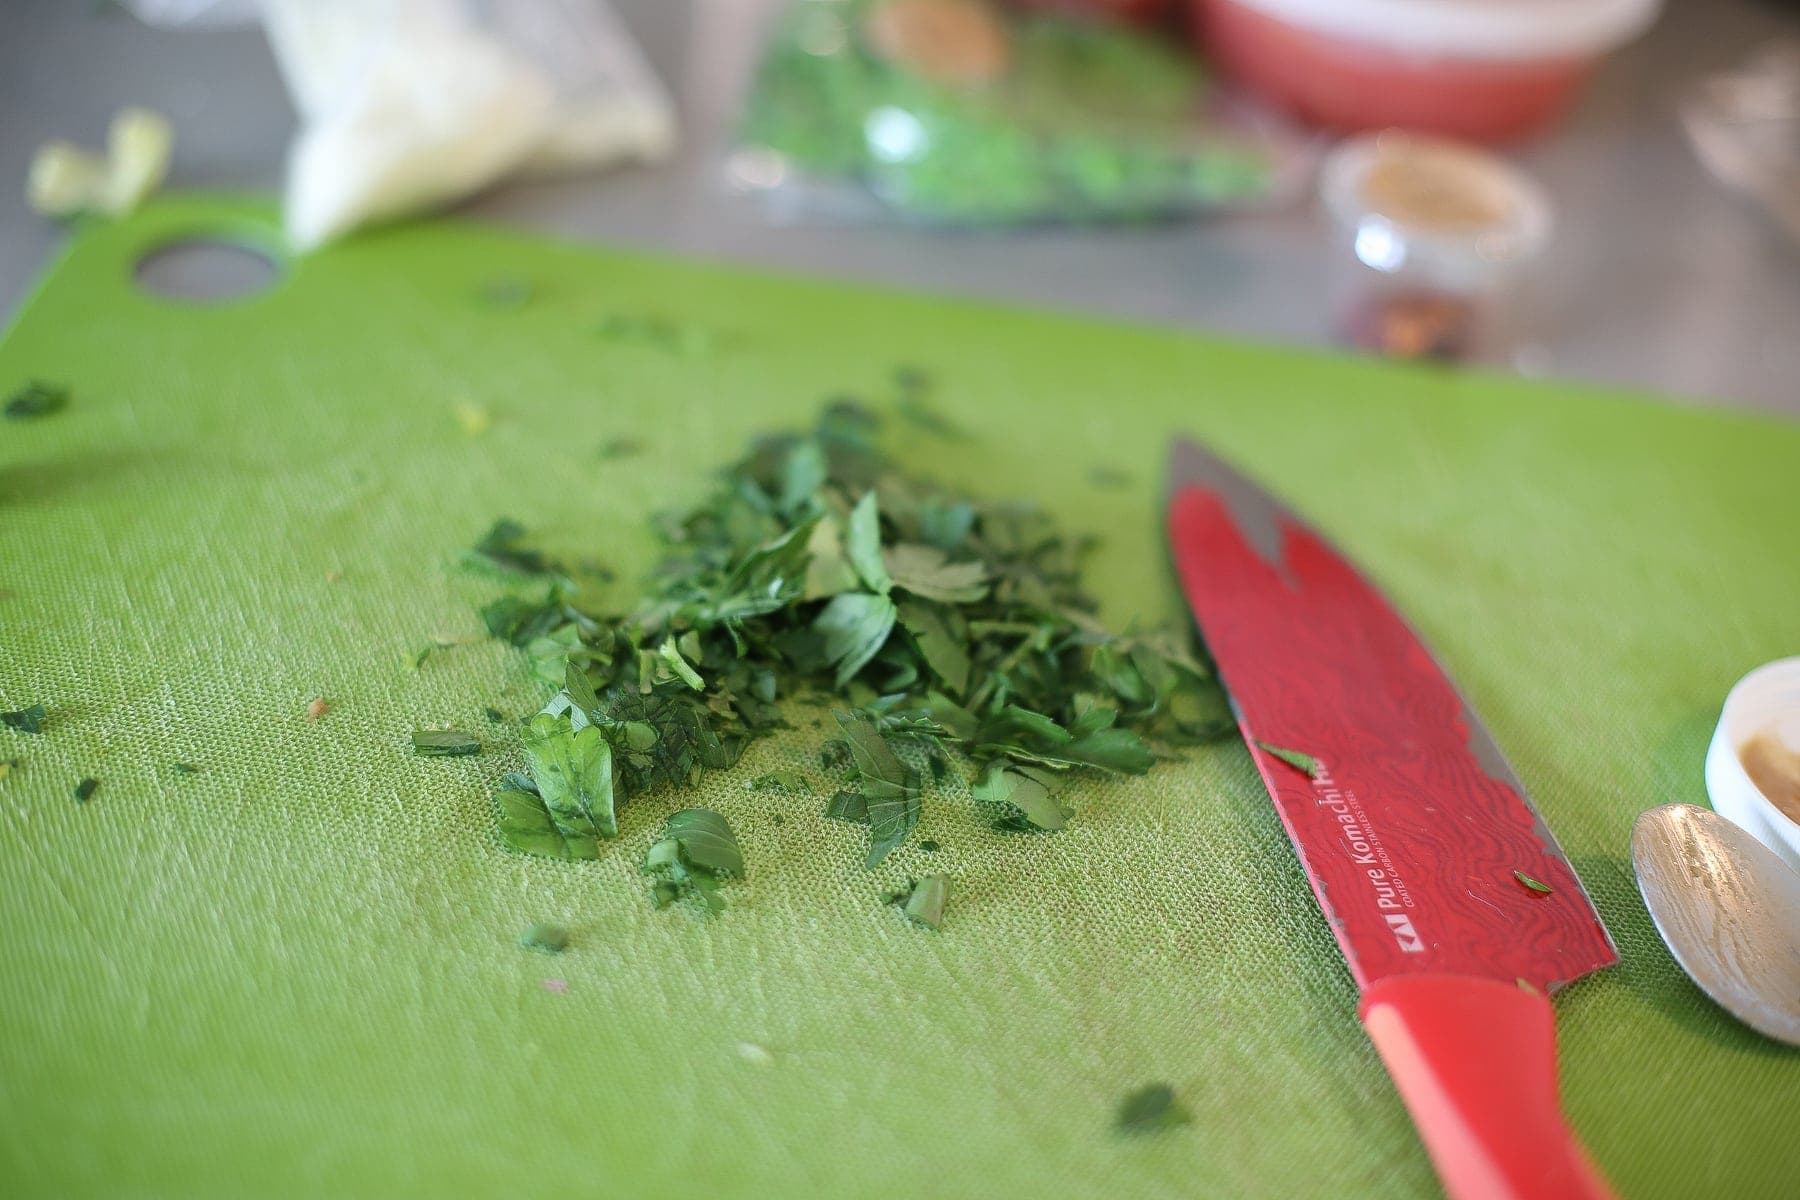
x,y
1454,906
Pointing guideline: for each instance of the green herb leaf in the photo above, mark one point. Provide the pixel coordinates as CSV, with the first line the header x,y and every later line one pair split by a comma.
x,y
1012,791
854,627
670,653
36,399
927,571
85,790
573,772
444,743
547,939
502,547
707,842
1541,888
25,720
848,806
888,786
527,825
862,544
1293,758
926,904
946,652
1150,1109
787,781
697,850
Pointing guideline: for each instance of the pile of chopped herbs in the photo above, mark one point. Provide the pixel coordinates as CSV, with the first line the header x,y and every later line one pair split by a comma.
x,y
948,635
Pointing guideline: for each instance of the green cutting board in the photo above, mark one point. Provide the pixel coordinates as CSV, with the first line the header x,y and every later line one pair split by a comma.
x,y
296,972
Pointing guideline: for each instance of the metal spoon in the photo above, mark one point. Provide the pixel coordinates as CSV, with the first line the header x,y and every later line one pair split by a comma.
x,y
1729,910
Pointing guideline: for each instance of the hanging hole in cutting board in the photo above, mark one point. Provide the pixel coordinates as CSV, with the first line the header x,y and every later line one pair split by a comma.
x,y
206,270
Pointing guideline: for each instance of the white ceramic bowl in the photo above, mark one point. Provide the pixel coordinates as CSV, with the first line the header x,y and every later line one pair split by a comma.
x,y
1767,699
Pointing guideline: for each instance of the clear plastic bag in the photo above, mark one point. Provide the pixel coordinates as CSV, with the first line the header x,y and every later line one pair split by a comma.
x,y
955,112
405,104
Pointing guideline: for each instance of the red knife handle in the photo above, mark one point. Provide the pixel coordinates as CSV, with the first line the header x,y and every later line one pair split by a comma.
x,y
1475,1062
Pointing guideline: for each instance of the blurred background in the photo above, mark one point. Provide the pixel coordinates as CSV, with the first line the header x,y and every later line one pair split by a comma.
x,y
1603,190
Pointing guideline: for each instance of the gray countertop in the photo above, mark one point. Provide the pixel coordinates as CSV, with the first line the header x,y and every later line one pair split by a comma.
x,y
1662,279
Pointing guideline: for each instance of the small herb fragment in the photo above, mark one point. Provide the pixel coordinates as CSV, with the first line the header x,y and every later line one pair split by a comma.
x,y
1541,888
444,743
494,715
1149,1109
926,904
85,789
186,768
697,852
36,399
502,547
25,720
506,293
787,781
548,939
620,447
1300,762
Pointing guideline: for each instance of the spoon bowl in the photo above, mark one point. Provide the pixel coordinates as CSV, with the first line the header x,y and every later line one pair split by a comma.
x,y
1728,908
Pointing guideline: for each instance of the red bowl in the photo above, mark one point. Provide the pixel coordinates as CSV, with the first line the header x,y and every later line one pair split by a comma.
x,y
1141,11
1352,85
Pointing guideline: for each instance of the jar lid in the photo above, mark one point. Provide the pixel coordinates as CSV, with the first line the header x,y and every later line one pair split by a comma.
x,y
1455,211
1481,29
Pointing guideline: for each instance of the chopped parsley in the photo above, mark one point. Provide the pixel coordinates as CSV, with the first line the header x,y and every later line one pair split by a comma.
x,y
85,790
547,939
444,743
949,634
1149,1109
925,906
1305,763
697,852
1543,889
25,720
787,781
36,399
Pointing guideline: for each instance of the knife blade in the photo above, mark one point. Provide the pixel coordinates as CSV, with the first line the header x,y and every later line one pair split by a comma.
x,y
1455,909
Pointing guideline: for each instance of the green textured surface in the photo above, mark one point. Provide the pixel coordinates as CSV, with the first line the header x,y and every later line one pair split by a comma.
x,y
298,971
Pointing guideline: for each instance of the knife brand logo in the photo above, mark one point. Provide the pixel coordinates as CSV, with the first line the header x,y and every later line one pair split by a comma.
x,y
1405,934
